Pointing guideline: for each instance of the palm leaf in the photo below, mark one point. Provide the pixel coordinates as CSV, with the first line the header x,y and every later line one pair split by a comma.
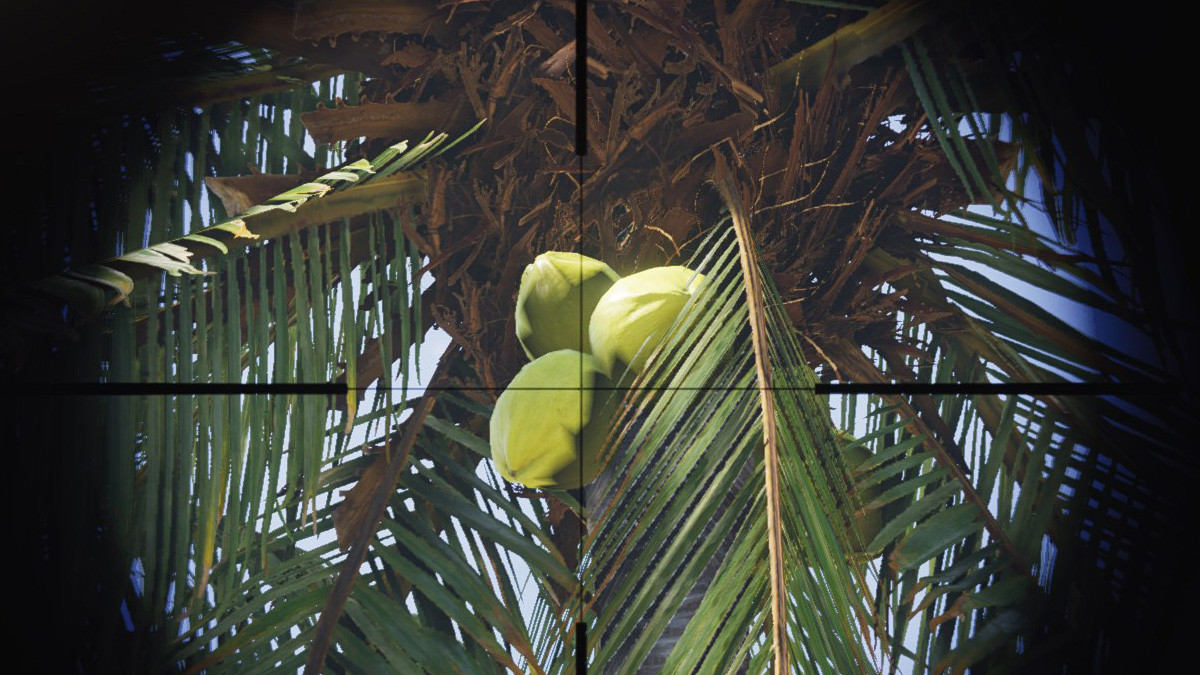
x,y
669,498
217,497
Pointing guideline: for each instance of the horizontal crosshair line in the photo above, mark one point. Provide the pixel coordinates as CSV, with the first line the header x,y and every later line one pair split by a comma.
x,y
1042,388
336,389
173,388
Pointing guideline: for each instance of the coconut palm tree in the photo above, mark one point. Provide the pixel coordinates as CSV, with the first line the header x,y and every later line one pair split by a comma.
x,y
270,207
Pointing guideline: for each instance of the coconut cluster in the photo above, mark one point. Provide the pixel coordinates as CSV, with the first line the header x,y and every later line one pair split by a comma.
x,y
582,325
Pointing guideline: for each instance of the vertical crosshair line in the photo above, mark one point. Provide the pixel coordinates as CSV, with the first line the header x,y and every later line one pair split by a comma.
x,y
580,151
580,626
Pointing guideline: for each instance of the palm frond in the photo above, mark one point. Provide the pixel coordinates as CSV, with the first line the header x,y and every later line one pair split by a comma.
x,y
206,519
672,496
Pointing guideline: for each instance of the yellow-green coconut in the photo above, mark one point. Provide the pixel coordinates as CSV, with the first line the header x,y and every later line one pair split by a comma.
x,y
555,301
633,315
541,414
867,525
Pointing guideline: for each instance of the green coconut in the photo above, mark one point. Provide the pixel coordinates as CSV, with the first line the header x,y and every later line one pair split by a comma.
x,y
555,301
632,317
541,414
867,525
